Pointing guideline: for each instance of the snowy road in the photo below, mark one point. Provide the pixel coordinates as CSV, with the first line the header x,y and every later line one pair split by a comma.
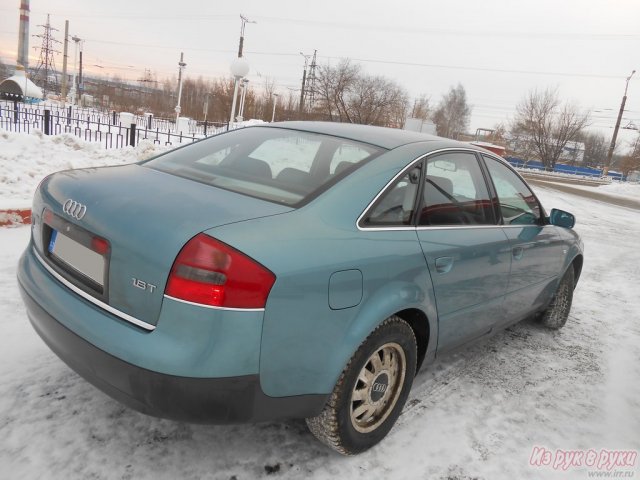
x,y
476,414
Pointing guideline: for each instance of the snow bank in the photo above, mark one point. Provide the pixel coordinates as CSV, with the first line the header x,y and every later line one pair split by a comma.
x,y
628,189
26,159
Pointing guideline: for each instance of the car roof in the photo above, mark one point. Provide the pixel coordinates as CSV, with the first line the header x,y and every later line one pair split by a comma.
x,y
384,137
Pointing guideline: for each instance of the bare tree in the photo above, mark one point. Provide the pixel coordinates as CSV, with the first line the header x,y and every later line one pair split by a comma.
x,y
595,149
421,108
333,85
373,99
520,146
499,134
345,94
631,162
452,115
547,125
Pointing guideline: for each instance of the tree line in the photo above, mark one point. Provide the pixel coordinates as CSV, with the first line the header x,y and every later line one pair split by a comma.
x,y
540,130
342,93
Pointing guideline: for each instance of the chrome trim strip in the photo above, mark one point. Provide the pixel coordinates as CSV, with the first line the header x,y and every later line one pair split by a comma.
x,y
404,170
438,227
95,301
366,209
214,307
446,227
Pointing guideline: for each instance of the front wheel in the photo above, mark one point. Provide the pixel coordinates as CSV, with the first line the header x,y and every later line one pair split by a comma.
x,y
371,390
557,313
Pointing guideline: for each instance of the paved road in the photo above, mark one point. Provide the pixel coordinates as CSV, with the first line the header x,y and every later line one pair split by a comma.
x,y
593,194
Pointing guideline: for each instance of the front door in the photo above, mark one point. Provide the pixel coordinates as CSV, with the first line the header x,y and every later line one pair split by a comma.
x,y
535,247
468,254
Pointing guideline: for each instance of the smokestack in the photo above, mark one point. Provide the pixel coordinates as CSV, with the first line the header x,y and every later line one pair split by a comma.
x,y
23,35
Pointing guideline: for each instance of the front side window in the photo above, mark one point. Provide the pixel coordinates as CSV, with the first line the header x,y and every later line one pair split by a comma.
x,y
517,203
455,192
275,164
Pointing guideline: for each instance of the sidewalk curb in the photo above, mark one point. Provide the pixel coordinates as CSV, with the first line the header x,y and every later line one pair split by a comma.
x,y
14,217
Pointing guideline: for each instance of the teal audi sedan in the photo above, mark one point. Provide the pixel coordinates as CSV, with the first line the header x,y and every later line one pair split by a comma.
x,y
295,270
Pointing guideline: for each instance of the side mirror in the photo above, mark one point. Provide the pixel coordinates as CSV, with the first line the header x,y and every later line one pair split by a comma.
x,y
560,218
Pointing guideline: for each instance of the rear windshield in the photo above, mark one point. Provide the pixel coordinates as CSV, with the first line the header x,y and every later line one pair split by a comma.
x,y
280,165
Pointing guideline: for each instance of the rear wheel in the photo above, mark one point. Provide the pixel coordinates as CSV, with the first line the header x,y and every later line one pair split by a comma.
x,y
557,313
371,391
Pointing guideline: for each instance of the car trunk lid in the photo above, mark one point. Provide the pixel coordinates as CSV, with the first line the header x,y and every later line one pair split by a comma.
x,y
145,215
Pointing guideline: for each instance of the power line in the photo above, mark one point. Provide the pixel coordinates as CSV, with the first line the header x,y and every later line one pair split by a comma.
x,y
45,73
457,32
478,69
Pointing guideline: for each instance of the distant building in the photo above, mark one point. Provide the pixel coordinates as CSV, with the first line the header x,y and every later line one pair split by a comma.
x,y
19,87
573,152
420,125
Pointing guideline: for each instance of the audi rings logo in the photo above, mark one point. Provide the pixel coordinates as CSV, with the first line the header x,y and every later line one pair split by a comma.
x,y
74,209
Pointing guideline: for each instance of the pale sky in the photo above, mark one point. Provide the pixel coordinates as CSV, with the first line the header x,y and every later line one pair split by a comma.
x,y
497,49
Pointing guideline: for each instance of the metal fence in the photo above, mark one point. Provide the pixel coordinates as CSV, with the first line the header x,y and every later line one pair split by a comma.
x,y
104,127
562,168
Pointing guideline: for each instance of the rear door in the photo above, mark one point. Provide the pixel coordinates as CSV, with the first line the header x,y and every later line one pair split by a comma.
x,y
536,249
468,254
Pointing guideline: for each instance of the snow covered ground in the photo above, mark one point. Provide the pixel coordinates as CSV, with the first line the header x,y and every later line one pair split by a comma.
x,y
615,189
475,414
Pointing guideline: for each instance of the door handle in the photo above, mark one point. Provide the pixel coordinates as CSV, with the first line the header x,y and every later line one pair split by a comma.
x,y
517,253
444,264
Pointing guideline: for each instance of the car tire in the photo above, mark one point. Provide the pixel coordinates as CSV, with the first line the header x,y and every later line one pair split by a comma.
x,y
371,390
557,313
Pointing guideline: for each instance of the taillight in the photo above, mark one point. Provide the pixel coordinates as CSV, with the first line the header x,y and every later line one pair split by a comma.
x,y
210,272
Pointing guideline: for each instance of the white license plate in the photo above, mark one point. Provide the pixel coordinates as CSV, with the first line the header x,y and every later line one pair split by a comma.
x,y
77,256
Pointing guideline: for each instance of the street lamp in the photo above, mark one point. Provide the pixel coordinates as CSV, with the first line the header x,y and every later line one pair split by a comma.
x,y
239,69
242,99
181,66
275,100
605,171
73,92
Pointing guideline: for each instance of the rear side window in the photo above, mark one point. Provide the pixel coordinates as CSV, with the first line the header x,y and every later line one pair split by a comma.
x,y
275,164
517,203
395,206
455,192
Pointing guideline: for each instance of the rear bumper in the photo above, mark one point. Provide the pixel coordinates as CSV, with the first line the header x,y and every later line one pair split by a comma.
x,y
193,367
199,400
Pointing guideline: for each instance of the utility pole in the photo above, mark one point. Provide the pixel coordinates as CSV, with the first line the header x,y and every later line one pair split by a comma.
x,y
244,20
308,82
304,82
605,171
46,66
181,66
311,82
80,79
205,107
65,56
74,90
275,100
